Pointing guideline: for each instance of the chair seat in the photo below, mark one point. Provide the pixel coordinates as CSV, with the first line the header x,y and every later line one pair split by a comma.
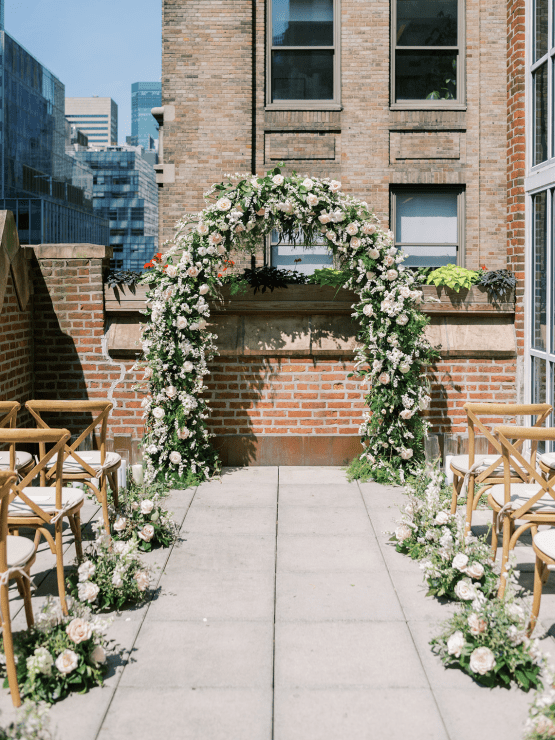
x,y
45,498
520,494
22,459
545,541
548,459
92,458
19,551
461,465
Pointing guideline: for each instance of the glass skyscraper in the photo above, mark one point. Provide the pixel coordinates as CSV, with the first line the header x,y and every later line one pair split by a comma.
x,y
125,192
38,180
144,129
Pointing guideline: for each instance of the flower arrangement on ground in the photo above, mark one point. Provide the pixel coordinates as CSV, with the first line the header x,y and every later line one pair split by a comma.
x,y
111,575
60,653
540,724
487,639
32,723
143,518
177,344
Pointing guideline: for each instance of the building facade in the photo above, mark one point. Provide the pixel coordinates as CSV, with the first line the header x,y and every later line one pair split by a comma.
x,y
96,117
144,128
38,180
125,192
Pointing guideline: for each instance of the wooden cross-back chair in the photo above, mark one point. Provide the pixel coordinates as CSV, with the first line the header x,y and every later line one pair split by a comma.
x,y
532,502
85,467
12,459
487,470
37,507
17,554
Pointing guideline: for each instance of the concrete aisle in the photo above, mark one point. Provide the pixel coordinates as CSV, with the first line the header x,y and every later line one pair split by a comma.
x,y
285,614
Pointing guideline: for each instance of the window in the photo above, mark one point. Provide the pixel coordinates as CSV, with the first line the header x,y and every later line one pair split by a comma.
x,y
427,45
286,255
543,58
303,59
428,225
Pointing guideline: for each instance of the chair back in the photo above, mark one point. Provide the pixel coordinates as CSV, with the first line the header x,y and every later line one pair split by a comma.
x,y
100,411
513,459
8,413
477,411
57,437
7,479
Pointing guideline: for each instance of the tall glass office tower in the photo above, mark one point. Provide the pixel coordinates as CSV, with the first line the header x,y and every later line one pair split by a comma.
x,y
144,129
38,181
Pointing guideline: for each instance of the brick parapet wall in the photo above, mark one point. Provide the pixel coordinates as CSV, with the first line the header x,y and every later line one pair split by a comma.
x,y
16,351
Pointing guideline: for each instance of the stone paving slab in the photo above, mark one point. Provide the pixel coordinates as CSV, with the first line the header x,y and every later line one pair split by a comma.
x,y
284,613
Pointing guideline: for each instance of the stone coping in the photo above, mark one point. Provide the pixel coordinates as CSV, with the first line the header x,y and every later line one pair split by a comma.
x,y
70,251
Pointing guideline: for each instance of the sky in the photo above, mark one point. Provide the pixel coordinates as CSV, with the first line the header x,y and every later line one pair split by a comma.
x,y
95,47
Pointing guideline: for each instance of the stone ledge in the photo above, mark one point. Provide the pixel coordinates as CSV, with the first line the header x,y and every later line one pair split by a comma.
x,y
70,251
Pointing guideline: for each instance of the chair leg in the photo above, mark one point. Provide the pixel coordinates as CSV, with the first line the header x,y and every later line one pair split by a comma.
x,y
104,497
60,567
8,646
505,555
457,483
24,588
115,488
469,503
75,525
494,537
539,576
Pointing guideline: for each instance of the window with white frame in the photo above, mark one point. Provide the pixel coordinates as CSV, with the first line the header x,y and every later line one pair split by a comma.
x,y
295,254
543,56
428,225
428,61
303,58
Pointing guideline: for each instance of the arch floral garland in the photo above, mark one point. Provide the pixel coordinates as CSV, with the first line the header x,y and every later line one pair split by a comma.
x,y
393,353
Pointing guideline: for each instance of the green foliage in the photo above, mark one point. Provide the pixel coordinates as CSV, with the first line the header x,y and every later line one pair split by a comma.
x,y
32,723
117,278
50,664
454,277
142,518
498,283
329,276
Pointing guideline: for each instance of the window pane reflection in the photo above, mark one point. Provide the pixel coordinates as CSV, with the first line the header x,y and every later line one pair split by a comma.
x,y
540,114
302,75
540,39
539,303
425,75
427,23
302,22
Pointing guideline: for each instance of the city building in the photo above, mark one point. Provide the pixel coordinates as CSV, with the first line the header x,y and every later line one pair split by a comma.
x,y
96,117
144,129
125,192
50,197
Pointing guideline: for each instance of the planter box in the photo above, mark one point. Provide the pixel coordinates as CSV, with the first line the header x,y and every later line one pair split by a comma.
x,y
474,301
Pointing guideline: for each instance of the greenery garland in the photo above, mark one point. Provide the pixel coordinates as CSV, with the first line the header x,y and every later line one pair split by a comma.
x,y
393,354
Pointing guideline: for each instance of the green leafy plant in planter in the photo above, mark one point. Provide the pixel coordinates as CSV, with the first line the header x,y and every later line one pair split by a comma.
x,y
454,277
498,283
117,278
329,276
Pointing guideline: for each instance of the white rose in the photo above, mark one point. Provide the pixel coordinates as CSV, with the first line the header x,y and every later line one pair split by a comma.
x,y
238,229
406,414
465,591
224,204
146,506
370,275
158,412
171,391
404,292
406,454
391,275
383,378
142,578
475,570
193,271
389,260
477,625
211,250
146,533
308,184
324,218
67,661
278,179
456,643
338,216
78,630
374,254
402,319
368,310
98,655
120,524
442,518
355,242
460,561
352,229
368,228
404,367
183,433
175,457
312,200
86,570
152,449
203,290
403,532
482,660
148,373
171,271
202,228
188,366
215,238
117,580
87,591
181,322
202,324
335,185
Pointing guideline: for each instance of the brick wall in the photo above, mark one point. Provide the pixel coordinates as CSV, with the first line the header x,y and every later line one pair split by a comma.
x,y
16,351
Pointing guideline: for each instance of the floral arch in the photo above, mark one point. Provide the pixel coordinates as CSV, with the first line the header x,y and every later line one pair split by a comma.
x,y
393,353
